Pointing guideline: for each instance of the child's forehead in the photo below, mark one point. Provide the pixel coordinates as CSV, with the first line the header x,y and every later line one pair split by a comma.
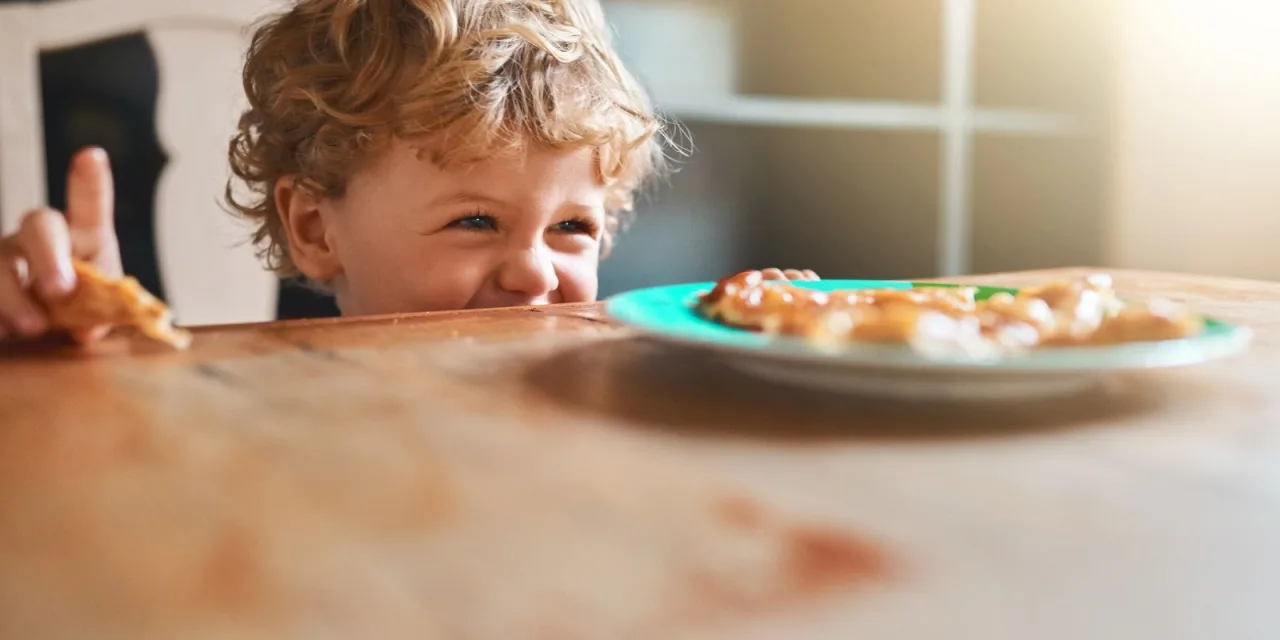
x,y
481,162
531,169
451,148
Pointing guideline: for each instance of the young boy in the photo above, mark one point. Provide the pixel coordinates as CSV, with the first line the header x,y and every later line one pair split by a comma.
x,y
406,155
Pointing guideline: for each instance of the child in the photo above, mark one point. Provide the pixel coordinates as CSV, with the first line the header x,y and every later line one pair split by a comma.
x,y
405,155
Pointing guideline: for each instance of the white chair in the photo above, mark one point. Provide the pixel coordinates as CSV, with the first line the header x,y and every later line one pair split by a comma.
x,y
210,272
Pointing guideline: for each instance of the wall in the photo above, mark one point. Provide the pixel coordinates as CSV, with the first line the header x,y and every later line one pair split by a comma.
x,y
864,204
1197,149
689,227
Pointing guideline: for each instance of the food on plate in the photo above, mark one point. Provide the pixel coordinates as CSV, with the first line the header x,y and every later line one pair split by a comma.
x,y
947,319
101,300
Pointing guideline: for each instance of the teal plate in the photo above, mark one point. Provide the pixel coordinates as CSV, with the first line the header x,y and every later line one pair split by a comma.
x,y
667,313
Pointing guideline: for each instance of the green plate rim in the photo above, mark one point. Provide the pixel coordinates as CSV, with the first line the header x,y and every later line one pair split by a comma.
x,y
665,312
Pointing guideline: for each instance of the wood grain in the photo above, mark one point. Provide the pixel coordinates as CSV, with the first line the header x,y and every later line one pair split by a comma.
x,y
541,473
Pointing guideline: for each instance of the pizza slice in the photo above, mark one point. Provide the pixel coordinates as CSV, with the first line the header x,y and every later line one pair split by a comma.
x,y
99,299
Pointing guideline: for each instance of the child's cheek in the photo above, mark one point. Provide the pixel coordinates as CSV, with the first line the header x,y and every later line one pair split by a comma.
x,y
577,276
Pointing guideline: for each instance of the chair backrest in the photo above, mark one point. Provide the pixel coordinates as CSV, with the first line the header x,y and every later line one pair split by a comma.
x,y
210,272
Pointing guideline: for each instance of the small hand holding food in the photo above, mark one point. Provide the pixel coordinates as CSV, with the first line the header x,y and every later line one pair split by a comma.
x,y
63,272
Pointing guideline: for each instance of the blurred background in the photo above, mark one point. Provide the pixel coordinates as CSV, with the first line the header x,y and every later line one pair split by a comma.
x,y
869,138
1113,133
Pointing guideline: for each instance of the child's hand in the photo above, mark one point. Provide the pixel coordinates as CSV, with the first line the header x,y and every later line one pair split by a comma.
x,y
35,262
789,274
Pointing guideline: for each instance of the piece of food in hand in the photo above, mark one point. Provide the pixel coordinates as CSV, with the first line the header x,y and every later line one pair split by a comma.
x,y
100,300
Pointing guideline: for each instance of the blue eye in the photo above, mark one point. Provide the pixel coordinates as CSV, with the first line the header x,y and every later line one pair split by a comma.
x,y
585,227
477,222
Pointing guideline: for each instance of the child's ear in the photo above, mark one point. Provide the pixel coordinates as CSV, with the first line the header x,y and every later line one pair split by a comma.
x,y
310,245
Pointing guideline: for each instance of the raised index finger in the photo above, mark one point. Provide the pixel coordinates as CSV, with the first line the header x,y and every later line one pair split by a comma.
x,y
90,195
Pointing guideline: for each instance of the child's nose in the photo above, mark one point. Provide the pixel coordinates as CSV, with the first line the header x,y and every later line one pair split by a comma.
x,y
529,272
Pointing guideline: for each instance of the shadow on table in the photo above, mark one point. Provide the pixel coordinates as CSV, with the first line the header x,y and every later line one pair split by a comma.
x,y
690,392
59,347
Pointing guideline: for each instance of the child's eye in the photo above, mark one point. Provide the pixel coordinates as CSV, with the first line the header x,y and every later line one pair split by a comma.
x,y
576,226
475,222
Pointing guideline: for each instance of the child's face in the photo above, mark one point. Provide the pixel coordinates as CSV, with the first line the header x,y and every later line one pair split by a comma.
x,y
411,236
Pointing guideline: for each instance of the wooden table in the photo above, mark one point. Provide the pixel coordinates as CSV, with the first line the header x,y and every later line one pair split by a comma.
x,y
540,473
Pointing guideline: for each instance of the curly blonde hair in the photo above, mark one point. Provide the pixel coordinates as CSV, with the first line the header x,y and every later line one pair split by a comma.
x,y
331,82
